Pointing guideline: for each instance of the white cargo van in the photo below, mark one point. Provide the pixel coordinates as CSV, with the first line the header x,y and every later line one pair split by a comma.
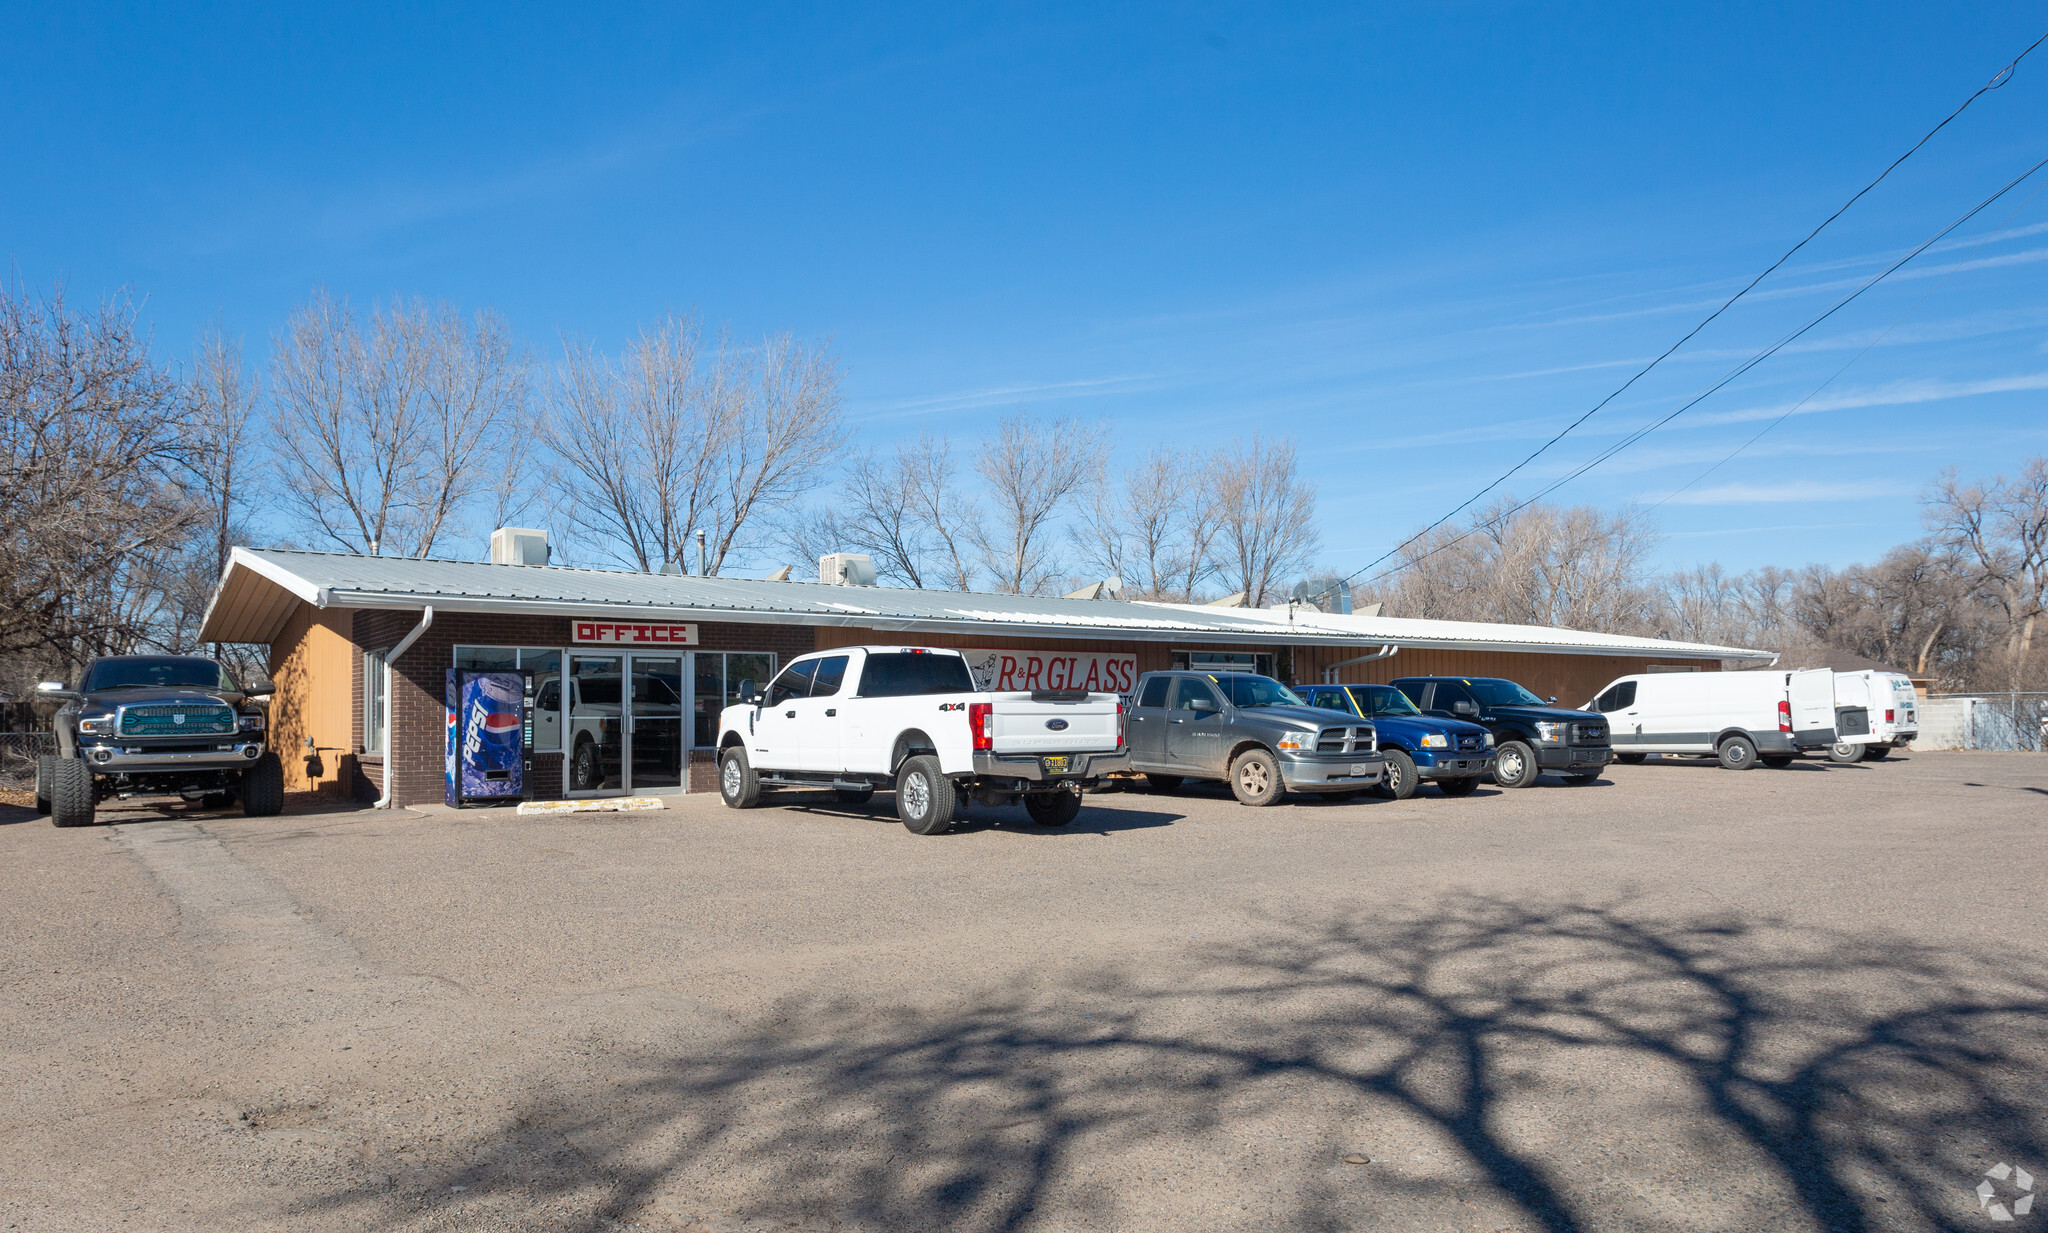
x,y
1875,712
1740,717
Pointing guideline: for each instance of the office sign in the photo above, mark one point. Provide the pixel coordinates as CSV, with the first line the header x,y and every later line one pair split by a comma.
x,y
1095,671
632,633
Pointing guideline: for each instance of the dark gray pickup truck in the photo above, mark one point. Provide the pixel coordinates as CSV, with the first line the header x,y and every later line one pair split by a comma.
x,y
157,725
1250,731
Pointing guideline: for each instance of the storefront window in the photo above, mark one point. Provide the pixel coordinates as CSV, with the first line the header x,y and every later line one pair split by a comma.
x,y
760,669
716,680
545,663
373,702
710,698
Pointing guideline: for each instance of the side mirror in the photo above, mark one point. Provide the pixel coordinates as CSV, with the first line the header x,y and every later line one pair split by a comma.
x,y
1464,708
1553,699
748,691
261,687
1203,706
50,693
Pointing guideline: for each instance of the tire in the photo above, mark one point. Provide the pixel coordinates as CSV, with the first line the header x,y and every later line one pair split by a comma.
x,y
1255,778
586,770
1776,762
1400,781
1163,783
1458,787
1844,753
739,786
1053,808
1631,759
1514,765
854,796
43,762
71,793
924,796
263,787
1737,753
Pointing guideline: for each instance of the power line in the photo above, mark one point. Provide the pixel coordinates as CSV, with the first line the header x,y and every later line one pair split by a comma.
x,y
1998,80
1695,400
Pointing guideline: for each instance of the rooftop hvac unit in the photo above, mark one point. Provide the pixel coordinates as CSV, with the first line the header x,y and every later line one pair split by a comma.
x,y
846,569
519,546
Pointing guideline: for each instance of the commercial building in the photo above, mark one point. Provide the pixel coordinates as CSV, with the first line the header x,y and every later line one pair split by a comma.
x,y
630,670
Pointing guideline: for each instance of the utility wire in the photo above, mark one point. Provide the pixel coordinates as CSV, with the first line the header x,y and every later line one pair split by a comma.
x,y
1696,399
1998,80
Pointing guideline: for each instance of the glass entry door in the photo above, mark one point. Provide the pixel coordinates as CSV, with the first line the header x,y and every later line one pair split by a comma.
x,y
625,724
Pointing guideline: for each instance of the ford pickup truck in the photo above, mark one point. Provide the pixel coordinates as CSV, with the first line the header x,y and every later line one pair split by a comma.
x,y
1251,732
856,719
1450,753
157,725
1530,735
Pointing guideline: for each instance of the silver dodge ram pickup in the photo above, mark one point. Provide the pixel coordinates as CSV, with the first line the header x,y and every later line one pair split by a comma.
x,y
1250,731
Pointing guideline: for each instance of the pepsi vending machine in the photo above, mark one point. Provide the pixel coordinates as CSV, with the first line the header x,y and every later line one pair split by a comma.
x,y
490,735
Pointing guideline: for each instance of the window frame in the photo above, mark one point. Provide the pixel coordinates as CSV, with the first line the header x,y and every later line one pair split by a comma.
x,y
376,702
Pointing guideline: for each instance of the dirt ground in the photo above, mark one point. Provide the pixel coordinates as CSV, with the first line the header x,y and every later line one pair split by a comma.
x,y
1683,998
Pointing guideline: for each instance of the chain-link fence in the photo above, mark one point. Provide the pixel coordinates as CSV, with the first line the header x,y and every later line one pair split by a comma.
x,y
18,754
1983,721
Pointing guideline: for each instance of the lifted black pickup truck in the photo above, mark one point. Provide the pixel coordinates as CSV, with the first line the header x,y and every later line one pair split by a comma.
x,y
157,725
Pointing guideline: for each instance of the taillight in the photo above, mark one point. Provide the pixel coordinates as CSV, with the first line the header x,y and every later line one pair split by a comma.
x,y
1119,723
977,723
1888,718
1784,717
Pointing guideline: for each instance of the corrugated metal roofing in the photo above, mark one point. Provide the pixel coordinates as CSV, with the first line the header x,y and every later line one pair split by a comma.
x,y
251,605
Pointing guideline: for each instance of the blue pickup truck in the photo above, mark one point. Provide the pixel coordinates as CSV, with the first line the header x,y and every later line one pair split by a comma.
x,y
1452,754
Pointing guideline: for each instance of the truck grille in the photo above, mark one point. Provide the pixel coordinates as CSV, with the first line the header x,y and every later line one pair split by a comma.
x,y
1471,741
1589,734
177,719
1345,740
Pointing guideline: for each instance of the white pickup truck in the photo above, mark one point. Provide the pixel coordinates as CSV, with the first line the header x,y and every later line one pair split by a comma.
x,y
859,718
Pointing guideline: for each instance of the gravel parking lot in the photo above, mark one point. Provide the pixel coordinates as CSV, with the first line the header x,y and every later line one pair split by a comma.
x,y
1683,998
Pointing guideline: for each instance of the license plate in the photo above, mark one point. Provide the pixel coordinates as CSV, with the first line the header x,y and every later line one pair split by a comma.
x,y
1361,768
1056,765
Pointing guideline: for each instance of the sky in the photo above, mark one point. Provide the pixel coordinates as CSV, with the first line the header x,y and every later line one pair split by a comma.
x,y
1418,240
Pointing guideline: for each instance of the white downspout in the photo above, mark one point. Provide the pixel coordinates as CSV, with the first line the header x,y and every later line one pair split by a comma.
x,y
1385,652
426,619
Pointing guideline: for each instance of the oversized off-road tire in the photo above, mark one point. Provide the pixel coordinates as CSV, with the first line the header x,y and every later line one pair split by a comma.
x,y
1400,781
1776,762
924,796
1631,759
853,796
1255,778
1053,808
1845,752
738,783
1514,765
1163,783
43,762
1461,786
263,787
1737,753
71,795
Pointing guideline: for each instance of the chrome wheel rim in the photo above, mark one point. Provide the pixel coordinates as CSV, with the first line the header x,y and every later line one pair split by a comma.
x,y
917,795
1252,778
1394,776
1511,764
729,778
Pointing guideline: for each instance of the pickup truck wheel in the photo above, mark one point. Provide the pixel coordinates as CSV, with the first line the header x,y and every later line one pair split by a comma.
x,y
924,796
1255,778
1631,759
1515,765
1053,808
43,762
1458,787
738,784
853,796
1844,752
1737,753
1163,783
71,802
585,771
1400,782
263,787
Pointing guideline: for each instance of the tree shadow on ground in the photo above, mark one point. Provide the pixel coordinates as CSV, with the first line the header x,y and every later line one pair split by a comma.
x,y
1805,1080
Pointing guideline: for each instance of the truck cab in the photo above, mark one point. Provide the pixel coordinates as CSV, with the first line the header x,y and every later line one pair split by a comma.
x,y
157,725
1450,753
1530,734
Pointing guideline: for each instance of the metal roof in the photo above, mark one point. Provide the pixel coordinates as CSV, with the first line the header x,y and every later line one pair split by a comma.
x,y
262,587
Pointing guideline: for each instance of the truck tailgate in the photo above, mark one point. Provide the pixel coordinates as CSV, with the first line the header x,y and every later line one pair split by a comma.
x,y
1023,724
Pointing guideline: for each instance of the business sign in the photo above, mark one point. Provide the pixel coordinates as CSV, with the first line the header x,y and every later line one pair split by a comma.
x,y
1096,671
633,633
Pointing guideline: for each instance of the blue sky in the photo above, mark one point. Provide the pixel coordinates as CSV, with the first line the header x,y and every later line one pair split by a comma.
x,y
1417,239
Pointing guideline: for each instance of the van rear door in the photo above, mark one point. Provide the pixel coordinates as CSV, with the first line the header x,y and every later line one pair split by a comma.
x,y
1812,694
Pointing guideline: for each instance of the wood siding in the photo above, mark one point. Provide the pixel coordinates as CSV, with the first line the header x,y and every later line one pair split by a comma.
x,y
310,713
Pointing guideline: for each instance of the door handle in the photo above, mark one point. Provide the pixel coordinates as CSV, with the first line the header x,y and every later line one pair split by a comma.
x,y
789,714
830,712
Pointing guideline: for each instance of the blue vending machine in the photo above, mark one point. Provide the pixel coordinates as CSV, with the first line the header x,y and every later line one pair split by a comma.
x,y
490,735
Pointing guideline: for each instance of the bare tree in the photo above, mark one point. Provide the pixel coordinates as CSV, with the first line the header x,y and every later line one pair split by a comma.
x,y
943,511
90,434
217,473
383,434
2001,530
1265,520
874,511
1155,526
1540,565
1031,468
785,431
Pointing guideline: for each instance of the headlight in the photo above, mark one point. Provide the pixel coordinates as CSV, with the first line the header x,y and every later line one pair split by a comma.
x,y
251,723
1436,740
1489,740
1297,742
98,723
1550,732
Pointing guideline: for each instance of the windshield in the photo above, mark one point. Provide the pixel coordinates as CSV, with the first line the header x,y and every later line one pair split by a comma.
x,y
1503,693
158,672
1246,690
1382,700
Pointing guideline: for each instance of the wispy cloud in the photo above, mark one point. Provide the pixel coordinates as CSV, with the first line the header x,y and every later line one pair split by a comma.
x,y
1896,394
1789,492
1023,392
1790,526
